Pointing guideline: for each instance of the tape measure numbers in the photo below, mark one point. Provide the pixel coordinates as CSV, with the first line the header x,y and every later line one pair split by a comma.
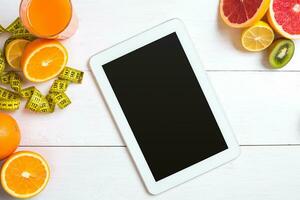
x,y
36,101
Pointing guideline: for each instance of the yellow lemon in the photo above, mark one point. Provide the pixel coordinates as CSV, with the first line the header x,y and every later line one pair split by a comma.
x,y
257,37
14,51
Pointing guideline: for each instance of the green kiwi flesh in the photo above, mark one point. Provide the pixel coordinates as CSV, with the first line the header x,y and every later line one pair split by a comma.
x,y
282,51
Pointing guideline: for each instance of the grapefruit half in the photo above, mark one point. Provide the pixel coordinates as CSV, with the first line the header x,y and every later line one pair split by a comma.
x,y
284,17
243,13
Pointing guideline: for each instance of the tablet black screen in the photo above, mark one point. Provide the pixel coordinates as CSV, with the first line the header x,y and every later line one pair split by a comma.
x,y
165,106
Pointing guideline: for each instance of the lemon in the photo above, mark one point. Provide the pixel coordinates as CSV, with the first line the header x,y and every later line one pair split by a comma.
x,y
257,37
14,51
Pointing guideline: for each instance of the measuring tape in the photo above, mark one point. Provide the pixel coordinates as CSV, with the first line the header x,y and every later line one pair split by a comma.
x,y
2,29
2,63
36,101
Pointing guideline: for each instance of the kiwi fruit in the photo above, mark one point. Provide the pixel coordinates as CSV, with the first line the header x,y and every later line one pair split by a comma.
x,y
281,52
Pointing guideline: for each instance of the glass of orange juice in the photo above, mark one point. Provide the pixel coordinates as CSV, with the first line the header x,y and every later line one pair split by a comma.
x,y
51,19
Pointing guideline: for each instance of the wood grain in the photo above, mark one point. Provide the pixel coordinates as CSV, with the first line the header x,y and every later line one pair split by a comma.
x,y
271,173
263,108
105,23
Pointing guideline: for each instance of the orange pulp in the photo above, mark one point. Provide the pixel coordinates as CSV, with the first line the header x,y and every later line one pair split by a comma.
x,y
48,18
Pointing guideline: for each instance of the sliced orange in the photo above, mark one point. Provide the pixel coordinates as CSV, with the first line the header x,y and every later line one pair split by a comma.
x,y
14,51
43,59
24,174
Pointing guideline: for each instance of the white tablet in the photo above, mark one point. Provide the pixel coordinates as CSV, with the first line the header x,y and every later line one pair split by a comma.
x,y
164,106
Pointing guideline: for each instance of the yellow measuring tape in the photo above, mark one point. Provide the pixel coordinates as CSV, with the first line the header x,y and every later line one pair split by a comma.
x,y
36,101
15,26
10,105
2,63
2,29
72,75
59,86
7,94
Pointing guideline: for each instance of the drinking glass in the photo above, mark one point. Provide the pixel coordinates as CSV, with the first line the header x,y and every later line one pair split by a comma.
x,y
51,19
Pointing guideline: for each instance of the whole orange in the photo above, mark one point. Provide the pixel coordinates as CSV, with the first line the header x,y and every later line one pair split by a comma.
x,y
9,135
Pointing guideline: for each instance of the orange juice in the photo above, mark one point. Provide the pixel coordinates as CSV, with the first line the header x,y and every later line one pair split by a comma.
x,y
46,18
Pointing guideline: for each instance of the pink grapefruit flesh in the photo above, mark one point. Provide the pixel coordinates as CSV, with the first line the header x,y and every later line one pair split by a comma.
x,y
242,13
284,16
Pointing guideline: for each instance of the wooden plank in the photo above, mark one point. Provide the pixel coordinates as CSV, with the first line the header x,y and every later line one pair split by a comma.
x,y
85,122
105,23
271,173
263,108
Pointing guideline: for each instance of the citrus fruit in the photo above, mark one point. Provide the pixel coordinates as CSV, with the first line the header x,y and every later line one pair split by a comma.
x,y
43,59
242,13
24,174
282,51
9,135
257,37
284,17
14,51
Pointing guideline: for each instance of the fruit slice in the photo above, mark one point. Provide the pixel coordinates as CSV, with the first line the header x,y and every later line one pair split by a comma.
x,y
284,17
257,37
282,52
24,174
43,59
14,51
242,13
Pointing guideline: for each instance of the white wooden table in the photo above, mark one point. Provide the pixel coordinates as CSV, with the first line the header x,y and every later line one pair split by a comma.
x,y
87,157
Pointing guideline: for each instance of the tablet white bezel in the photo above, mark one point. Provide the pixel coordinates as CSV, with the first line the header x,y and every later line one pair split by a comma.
x,y
132,44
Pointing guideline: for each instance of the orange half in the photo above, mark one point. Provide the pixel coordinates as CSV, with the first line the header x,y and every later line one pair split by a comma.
x,y
24,174
43,60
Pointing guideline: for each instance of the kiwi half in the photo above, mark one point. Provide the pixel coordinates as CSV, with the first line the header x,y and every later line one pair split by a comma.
x,y
282,51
